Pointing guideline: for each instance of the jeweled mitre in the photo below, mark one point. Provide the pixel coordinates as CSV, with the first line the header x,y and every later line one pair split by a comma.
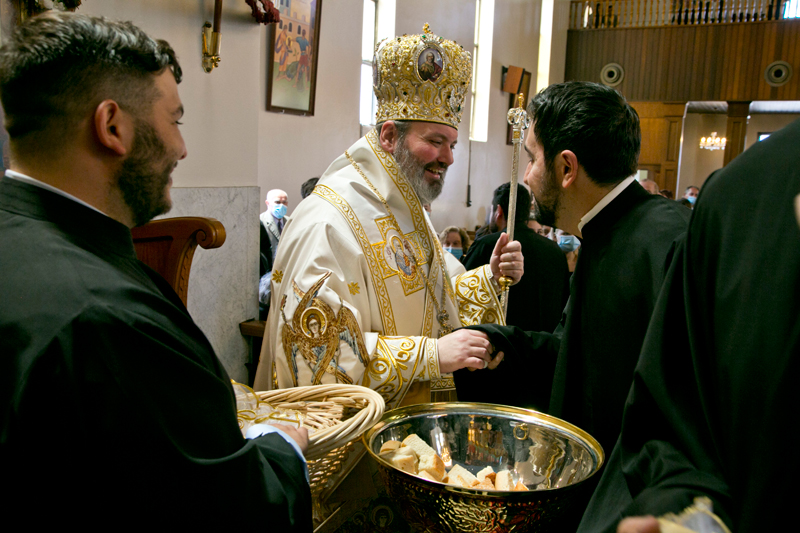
x,y
421,77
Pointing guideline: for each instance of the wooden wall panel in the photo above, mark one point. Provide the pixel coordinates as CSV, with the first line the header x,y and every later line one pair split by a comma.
x,y
683,63
662,126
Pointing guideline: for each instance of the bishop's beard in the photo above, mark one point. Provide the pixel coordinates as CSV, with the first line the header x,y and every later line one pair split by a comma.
x,y
414,170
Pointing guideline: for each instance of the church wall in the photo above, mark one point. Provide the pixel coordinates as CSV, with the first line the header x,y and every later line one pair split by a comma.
x,y
697,163
292,148
220,123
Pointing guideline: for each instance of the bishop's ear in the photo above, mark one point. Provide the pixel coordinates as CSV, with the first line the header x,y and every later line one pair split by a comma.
x,y
113,127
388,136
567,167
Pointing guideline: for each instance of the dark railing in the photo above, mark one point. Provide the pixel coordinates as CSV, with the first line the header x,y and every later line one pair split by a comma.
x,y
593,14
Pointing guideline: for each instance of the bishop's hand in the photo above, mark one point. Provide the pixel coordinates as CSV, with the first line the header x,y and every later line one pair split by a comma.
x,y
466,348
507,259
639,524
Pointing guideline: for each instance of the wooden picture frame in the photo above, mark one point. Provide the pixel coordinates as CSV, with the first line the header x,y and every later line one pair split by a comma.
x,y
525,89
292,51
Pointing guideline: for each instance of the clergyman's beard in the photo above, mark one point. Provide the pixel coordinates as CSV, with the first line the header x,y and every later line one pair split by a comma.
x,y
546,203
144,187
414,170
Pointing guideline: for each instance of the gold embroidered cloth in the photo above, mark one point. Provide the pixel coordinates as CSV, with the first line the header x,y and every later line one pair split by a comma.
x,y
350,302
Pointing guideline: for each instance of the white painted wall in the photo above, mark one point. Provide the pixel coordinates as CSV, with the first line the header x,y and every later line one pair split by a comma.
x,y
292,148
221,123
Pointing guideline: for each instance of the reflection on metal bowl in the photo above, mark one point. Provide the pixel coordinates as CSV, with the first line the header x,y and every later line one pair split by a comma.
x,y
551,457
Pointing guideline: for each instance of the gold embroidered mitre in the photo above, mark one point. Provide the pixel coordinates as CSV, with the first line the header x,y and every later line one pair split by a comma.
x,y
421,77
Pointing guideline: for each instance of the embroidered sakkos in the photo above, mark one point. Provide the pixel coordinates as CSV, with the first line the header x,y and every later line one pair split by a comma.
x,y
365,292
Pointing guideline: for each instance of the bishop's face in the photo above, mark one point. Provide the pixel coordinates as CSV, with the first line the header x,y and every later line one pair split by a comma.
x,y
424,154
542,183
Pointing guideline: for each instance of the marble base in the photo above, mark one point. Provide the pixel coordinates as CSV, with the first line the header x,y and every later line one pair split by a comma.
x,y
223,284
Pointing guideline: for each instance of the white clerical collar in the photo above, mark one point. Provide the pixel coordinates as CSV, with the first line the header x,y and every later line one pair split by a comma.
x,y
42,185
607,199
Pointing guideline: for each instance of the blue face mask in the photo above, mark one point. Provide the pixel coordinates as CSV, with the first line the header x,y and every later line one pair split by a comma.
x,y
568,243
692,199
457,252
279,211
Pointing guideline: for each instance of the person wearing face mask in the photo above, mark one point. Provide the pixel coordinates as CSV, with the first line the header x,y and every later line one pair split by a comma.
x,y
272,222
691,194
569,244
455,241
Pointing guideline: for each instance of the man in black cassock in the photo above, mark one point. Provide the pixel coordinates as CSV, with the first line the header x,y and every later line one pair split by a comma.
x,y
114,408
583,145
535,303
715,393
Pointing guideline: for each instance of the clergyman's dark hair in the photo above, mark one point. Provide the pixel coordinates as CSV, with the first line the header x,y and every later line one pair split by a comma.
x,y
594,122
502,196
57,67
308,187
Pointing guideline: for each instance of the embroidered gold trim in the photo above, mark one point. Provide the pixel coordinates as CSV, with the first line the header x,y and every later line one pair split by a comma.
x,y
388,372
315,333
384,302
442,315
477,298
432,359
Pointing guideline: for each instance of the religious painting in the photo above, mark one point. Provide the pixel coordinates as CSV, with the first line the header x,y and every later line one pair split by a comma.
x,y
313,323
400,256
292,51
430,64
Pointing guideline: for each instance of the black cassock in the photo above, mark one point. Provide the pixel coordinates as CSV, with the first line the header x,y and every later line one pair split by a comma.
x,y
536,302
114,408
713,406
585,368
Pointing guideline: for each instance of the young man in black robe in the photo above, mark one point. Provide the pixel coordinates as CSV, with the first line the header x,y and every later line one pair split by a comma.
x,y
534,304
583,145
113,406
716,390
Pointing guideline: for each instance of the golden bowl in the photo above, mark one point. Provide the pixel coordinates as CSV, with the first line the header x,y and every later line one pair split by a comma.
x,y
552,458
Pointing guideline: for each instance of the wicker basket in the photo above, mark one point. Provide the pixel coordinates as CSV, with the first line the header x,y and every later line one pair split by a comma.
x,y
338,415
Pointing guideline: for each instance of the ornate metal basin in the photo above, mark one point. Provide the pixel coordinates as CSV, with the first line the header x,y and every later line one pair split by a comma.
x,y
552,458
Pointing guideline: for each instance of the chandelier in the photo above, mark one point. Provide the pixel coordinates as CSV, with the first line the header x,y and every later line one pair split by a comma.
x,y
712,142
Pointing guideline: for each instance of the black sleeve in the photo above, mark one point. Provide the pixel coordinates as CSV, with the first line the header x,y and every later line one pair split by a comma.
x,y
479,254
523,379
146,422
